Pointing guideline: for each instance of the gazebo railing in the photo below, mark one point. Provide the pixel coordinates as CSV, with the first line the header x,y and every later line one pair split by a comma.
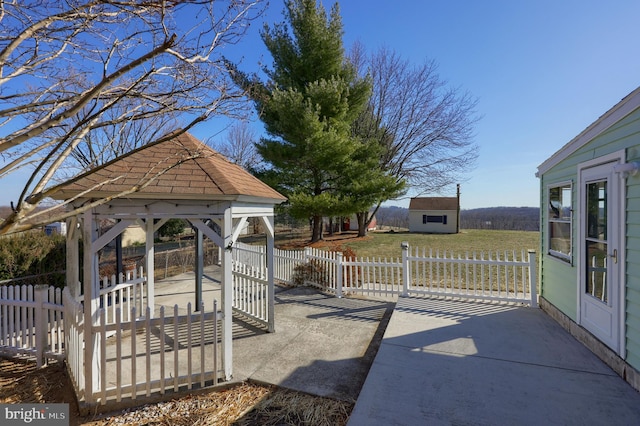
x,y
251,292
123,293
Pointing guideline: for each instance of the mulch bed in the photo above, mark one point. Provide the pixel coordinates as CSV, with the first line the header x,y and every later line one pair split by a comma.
x,y
243,405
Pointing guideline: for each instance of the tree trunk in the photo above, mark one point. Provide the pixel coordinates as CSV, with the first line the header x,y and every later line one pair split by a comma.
x,y
363,223
317,229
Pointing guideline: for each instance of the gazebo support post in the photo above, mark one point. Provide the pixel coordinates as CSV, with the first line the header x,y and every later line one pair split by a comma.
x,y
90,282
150,264
73,257
227,293
119,260
268,223
199,268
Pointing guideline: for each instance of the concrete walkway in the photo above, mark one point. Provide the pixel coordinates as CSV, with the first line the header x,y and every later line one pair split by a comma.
x,y
472,363
322,344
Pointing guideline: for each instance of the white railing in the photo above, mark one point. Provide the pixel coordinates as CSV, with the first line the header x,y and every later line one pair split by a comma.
x,y
284,261
125,294
506,276
251,292
31,322
248,254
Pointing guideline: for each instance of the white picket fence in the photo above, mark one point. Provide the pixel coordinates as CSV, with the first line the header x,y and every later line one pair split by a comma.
x,y
32,317
137,354
74,341
506,276
146,355
285,262
31,322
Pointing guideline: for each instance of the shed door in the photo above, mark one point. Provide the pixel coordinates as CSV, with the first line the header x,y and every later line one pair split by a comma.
x,y
600,306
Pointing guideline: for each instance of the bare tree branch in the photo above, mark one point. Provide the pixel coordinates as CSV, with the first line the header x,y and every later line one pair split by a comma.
x,y
426,127
239,146
84,81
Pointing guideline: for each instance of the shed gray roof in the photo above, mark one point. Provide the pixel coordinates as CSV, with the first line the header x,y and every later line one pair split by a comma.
x,y
433,203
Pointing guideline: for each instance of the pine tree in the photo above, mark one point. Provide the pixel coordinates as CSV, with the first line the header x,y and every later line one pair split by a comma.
x,y
308,105
314,95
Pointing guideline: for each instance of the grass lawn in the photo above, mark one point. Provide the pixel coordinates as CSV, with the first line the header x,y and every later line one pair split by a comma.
x,y
387,244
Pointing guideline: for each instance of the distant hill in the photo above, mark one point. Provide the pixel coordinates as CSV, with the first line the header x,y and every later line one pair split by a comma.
x,y
504,218
393,216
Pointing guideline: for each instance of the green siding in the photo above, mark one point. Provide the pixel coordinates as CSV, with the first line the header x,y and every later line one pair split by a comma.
x,y
632,265
558,285
632,322
558,280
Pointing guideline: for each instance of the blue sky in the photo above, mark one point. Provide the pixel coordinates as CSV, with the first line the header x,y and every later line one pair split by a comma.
x,y
542,71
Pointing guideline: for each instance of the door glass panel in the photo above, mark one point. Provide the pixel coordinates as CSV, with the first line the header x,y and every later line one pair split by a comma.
x,y
596,241
597,210
597,270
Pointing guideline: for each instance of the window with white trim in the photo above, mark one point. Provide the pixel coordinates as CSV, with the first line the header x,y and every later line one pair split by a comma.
x,y
426,218
559,216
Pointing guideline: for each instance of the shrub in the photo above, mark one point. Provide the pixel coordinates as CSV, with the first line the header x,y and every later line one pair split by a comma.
x,y
313,270
33,253
318,271
172,227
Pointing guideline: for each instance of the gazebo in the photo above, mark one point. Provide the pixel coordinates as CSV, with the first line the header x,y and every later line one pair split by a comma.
x,y
177,177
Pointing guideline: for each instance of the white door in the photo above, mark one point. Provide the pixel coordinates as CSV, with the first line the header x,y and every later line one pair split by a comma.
x,y
600,254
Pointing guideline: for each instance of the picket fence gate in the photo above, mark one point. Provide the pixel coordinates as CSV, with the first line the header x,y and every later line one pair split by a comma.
x,y
250,294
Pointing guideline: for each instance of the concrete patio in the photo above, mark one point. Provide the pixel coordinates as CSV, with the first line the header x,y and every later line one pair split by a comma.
x,y
472,363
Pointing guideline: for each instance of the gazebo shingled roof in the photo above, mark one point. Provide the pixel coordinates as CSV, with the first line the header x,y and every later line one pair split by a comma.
x,y
181,167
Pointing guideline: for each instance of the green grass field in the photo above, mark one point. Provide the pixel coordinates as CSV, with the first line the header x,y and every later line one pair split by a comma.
x,y
385,244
